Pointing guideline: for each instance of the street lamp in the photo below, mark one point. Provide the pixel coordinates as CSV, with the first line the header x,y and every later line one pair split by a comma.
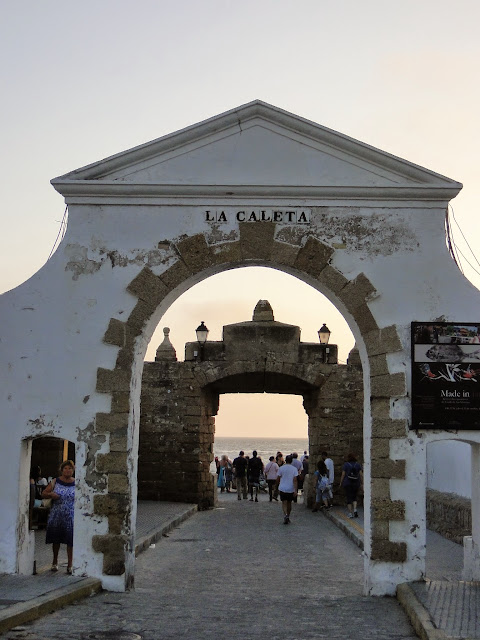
x,y
202,334
324,336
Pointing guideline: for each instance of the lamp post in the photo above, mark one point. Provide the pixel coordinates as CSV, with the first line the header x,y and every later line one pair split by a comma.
x,y
202,334
324,336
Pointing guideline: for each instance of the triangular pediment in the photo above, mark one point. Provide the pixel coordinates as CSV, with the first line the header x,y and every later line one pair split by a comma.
x,y
257,148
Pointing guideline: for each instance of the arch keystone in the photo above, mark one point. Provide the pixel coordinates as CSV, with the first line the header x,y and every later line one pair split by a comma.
x,y
256,239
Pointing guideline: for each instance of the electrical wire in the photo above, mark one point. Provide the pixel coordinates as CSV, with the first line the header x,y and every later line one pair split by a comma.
x,y
463,236
61,232
450,241
469,263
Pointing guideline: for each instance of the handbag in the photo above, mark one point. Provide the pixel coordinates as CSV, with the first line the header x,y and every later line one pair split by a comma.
x,y
47,502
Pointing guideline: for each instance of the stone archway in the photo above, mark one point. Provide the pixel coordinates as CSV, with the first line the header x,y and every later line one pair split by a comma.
x,y
312,261
254,186
180,400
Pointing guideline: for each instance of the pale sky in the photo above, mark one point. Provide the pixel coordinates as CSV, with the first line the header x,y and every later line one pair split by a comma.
x,y
82,81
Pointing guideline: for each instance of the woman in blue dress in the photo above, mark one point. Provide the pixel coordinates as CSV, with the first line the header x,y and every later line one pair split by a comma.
x,y
60,521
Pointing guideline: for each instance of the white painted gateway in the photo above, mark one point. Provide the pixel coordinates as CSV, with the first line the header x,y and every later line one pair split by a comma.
x,y
253,186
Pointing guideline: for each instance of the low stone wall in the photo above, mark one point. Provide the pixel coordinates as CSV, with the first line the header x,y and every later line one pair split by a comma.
x,y
449,515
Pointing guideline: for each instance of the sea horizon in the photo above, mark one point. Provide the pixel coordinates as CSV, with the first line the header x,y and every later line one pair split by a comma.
x,y
265,446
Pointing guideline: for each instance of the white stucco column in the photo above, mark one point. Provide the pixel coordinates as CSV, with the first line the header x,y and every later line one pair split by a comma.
x,y
471,544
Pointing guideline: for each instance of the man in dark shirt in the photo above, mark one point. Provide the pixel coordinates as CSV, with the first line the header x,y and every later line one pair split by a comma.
x,y
254,469
240,472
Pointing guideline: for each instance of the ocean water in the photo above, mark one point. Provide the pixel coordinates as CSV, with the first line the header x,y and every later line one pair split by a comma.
x,y
265,447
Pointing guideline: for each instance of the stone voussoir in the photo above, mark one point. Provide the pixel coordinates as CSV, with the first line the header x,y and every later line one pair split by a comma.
x,y
109,380
111,504
114,462
384,340
313,257
332,279
115,333
387,386
120,402
380,488
357,292
109,543
389,428
388,469
195,252
386,551
118,483
226,253
388,509
284,253
365,320
140,314
380,448
108,422
177,273
148,287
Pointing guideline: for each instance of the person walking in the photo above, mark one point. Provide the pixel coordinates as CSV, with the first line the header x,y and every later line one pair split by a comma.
x,y
287,486
299,466
228,475
222,473
61,490
321,484
240,472
352,481
271,472
254,469
331,475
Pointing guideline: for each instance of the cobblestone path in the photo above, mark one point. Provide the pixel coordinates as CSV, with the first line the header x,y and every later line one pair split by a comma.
x,y
237,572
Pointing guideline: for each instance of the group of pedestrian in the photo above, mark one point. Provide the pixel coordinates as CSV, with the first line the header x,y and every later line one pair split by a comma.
x,y
351,481
248,474
284,477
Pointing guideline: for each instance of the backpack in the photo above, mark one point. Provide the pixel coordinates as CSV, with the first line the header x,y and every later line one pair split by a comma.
x,y
354,472
322,482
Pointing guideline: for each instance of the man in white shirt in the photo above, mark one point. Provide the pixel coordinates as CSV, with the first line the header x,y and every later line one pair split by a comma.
x,y
287,486
296,463
331,475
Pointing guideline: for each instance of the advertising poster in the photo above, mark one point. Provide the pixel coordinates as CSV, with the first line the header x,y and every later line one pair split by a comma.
x,y
446,375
